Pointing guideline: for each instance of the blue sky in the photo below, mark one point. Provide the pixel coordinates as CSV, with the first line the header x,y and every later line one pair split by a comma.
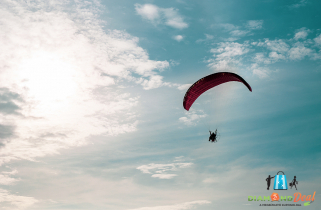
x,y
91,97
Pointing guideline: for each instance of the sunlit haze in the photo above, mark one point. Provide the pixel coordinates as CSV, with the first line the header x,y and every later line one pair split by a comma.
x,y
91,103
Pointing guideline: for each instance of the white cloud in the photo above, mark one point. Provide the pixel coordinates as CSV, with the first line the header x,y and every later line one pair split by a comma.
x,y
8,200
148,11
260,58
285,49
301,34
181,206
154,81
211,180
179,158
207,38
299,4
158,15
261,72
164,176
318,39
184,87
174,62
316,56
223,65
231,39
276,45
173,19
254,24
275,56
229,27
60,64
229,50
234,30
227,55
178,38
299,51
6,180
272,58
239,32
161,170
192,117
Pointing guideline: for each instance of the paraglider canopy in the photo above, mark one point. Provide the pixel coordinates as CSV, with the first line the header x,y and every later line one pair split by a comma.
x,y
209,82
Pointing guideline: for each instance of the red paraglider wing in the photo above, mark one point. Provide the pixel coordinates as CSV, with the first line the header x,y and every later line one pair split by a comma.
x,y
209,82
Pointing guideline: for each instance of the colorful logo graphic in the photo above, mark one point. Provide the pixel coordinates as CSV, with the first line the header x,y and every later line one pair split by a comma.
x,y
275,197
306,204
280,182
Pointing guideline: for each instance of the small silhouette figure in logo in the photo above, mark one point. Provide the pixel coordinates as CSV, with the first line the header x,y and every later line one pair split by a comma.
x,y
269,181
294,183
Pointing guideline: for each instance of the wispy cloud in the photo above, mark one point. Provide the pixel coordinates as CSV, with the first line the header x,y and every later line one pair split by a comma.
x,y
173,19
8,200
271,58
207,38
246,29
148,11
282,50
229,50
229,26
178,38
181,206
318,40
5,178
179,159
230,55
154,81
254,24
276,56
300,3
277,45
184,87
192,117
164,171
285,49
299,51
233,30
158,15
227,55
301,34
239,32
261,72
